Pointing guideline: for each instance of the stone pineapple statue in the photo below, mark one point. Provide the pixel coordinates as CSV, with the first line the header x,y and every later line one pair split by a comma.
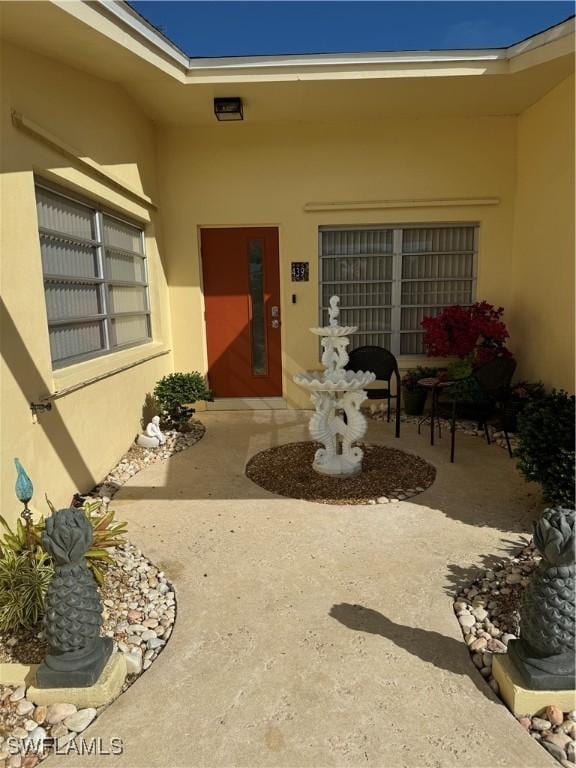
x,y
73,612
544,655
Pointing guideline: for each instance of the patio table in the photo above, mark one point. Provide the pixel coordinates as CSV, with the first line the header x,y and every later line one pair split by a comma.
x,y
435,385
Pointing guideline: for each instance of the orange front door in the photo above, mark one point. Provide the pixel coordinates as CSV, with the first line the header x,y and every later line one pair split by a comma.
x,y
242,301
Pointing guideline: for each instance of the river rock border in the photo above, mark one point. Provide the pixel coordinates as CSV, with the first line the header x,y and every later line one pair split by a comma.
x,y
137,458
139,611
139,614
487,611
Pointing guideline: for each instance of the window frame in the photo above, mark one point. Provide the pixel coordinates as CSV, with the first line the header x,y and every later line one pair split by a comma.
x,y
396,306
104,281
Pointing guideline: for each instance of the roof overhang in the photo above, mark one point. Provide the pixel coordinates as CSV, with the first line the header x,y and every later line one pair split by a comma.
x,y
109,39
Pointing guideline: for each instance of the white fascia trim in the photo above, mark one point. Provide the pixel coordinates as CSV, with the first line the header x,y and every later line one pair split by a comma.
x,y
346,59
130,18
542,38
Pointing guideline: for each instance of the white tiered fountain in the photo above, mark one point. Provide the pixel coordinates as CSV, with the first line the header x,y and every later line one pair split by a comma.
x,y
334,392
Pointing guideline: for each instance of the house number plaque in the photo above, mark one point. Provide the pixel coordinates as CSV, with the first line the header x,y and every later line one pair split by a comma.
x,y
300,271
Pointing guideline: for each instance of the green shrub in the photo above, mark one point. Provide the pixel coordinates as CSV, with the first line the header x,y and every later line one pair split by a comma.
x,y
546,446
24,579
175,392
523,392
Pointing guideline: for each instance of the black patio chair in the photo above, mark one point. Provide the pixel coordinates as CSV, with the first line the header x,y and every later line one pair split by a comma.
x,y
491,384
383,363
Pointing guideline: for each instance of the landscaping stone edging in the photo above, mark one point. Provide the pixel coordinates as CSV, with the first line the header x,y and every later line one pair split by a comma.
x,y
138,458
487,612
140,623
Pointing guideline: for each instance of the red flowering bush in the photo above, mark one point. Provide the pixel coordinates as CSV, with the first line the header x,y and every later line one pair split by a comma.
x,y
475,332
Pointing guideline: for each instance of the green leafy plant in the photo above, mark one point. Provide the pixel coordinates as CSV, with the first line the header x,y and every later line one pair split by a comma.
x,y
24,579
107,533
176,392
546,445
466,388
15,540
459,369
413,375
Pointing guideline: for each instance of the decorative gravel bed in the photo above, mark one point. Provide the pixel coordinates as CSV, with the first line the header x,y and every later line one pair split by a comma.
x,y
488,613
134,593
387,475
139,613
139,610
138,458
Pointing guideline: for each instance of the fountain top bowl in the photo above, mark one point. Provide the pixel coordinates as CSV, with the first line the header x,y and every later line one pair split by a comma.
x,y
334,330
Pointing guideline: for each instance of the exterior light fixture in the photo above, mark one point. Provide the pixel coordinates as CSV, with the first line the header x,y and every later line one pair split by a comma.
x,y
229,108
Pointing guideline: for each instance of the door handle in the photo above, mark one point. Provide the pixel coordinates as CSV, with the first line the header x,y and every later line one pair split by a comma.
x,y
275,323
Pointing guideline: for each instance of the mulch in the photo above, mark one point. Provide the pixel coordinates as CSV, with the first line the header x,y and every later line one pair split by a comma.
x,y
286,470
25,646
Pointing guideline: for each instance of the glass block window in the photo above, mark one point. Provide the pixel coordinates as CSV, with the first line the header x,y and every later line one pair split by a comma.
x,y
95,280
389,278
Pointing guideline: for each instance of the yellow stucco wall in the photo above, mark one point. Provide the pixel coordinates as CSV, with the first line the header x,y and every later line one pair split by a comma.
x,y
246,174
73,446
542,304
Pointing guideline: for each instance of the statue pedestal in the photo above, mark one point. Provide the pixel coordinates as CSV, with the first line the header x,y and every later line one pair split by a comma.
x,y
338,466
75,669
105,689
147,442
525,701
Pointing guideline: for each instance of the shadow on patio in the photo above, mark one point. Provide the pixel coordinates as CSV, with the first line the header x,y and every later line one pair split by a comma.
x,y
483,487
432,647
255,647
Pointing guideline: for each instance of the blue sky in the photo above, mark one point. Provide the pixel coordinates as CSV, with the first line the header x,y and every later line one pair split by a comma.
x,y
220,28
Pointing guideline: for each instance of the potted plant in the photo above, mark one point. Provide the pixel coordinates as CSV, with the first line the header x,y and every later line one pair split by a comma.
x,y
413,396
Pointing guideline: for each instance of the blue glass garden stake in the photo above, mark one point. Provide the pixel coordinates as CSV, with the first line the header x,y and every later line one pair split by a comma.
x,y
24,492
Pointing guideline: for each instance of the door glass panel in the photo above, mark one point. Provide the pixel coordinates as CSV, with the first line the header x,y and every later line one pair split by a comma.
x,y
258,323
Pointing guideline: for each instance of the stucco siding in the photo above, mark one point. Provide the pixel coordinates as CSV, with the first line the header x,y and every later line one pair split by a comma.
x,y
74,445
542,306
242,174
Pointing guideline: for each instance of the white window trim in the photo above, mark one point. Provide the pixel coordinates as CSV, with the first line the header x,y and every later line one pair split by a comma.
x,y
103,280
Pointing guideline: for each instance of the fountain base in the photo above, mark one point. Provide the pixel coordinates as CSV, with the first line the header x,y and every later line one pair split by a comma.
x,y
338,465
387,474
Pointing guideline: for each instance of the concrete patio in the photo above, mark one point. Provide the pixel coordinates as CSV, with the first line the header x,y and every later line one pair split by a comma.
x,y
314,635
